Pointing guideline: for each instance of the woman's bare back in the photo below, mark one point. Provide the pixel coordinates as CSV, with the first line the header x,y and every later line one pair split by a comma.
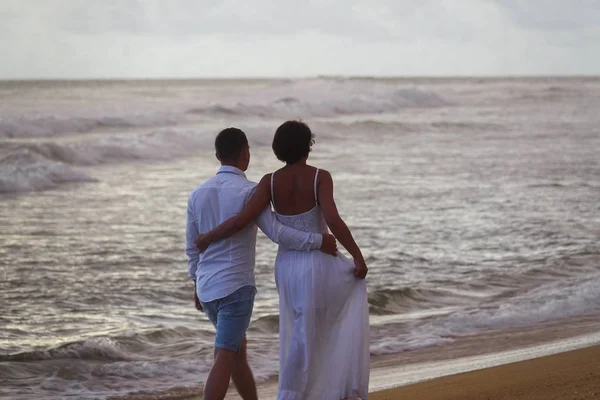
x,y
294,189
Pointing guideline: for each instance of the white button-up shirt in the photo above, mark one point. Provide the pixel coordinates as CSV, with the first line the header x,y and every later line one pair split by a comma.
x,y
228,265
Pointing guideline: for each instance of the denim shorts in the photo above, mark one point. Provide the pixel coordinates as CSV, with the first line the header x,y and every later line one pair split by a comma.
x,y
231,317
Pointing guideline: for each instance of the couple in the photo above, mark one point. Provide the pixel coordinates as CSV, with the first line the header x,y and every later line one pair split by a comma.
x,y
323,311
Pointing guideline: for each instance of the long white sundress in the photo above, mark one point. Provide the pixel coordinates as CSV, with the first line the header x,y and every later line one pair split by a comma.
x,y
323,319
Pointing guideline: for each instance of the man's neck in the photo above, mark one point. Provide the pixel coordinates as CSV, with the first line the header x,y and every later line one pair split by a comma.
x,y
227,164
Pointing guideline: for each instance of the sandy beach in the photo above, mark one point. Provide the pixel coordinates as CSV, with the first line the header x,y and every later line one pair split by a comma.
x,y
573,375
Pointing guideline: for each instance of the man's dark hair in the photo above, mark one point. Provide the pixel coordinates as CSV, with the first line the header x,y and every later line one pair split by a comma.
x,y
229,143
292,141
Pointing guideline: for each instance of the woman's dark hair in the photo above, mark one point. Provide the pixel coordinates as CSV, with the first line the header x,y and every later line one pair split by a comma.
x,y
292,141
229,143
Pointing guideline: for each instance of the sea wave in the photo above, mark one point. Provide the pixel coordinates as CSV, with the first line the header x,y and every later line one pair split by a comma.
x,y
98,349
556,300
397,301
52,126
577,296
30,166
266,324
41,151
305,101
24,170
328,105
156,145
165,358
100,367
136,346
80,379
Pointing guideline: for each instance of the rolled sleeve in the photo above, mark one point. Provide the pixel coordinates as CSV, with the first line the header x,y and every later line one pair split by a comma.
x,y
286,236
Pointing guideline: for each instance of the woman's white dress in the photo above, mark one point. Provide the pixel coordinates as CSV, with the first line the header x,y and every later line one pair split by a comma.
x,y
323,320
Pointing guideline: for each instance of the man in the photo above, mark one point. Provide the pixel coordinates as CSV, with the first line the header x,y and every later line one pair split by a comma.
x,y
224,273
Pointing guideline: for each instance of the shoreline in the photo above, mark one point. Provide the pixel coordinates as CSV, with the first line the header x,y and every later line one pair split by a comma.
x,y
486,350
573,375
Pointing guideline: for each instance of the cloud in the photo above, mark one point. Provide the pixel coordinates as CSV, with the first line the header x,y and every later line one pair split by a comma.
x,y
553,15
187,17
183,38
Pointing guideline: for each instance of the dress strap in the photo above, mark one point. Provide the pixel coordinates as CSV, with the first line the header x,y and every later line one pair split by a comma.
x,y
316,197
272,193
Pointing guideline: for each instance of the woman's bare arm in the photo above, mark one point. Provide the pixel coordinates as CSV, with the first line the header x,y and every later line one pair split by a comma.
x,y
257,203
336,224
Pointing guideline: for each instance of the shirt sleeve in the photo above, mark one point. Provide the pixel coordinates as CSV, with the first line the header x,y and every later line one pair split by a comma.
x,y
284,235
191,232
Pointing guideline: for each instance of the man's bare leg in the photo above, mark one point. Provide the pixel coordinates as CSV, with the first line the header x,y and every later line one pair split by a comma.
x,y
219,376
242,375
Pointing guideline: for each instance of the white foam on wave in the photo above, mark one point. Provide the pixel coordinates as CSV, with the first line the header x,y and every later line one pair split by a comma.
x,y
40,150
101,380
358,103
558,300
24,170
53,125
385,377
100,367
115,371
45,165
294,99
563,299
110,149
96,348
335,101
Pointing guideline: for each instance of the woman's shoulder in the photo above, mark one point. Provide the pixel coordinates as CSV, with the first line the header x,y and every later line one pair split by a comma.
x,y
323,173
320,170
266,179
309,171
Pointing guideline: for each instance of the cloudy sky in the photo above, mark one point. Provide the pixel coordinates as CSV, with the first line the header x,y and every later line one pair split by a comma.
x,y
215,38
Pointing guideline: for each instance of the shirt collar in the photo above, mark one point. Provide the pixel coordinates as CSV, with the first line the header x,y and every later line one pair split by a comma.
x,y
228,169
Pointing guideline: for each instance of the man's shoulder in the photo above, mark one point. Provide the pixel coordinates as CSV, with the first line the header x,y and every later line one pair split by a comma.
x,y
238,181
247,183
204,185
244,187
240,184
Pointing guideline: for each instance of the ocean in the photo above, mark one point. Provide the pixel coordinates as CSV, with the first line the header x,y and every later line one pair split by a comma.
x,y
476,202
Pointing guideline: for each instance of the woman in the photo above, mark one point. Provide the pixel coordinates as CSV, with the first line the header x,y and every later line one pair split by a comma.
x,y
323,322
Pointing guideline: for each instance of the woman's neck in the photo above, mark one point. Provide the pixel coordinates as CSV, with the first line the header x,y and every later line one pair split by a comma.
x,y
301,163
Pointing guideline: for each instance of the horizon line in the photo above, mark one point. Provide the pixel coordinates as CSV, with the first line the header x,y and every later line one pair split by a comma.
x,y
280,77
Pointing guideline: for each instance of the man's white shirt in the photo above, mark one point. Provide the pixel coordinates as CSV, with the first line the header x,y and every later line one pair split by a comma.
x,y
228,265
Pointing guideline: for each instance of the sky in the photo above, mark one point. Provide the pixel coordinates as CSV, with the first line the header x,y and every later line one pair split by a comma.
x,y
290,38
